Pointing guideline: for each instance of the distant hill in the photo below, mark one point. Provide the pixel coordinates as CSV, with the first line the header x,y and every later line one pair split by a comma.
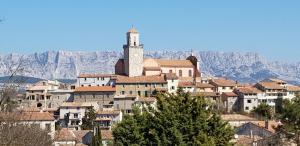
x,y
244,67
32,80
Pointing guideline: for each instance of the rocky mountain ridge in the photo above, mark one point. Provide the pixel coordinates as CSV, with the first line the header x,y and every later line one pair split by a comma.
x,y
243,67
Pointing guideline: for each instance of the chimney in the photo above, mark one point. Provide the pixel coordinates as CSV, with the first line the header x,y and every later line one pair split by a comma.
x,y
266,124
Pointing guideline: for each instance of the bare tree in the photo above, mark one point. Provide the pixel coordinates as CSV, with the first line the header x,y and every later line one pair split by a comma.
x,y
9,89
15,132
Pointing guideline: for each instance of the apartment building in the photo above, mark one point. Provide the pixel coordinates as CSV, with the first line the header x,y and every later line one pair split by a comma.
x,y
71,113
223,85
249,98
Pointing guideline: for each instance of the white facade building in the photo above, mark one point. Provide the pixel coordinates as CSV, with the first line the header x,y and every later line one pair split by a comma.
x,y
85,80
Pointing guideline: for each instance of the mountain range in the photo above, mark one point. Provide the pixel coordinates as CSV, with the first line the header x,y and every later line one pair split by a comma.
x,y
243,67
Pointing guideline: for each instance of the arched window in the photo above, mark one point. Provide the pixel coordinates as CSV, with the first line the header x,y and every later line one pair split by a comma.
x,y
180,73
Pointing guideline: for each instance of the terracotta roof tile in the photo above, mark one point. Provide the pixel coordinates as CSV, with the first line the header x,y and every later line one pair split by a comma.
x,y
174,63
96,89
293,88
141,79
30,116
79,134
204,85
186,84
64,135
271,85
247,90
224,82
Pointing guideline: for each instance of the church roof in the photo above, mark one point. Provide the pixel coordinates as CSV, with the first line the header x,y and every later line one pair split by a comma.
x,y
132,30
174,63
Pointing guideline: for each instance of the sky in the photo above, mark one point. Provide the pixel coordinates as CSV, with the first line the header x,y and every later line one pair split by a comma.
x,y
268,27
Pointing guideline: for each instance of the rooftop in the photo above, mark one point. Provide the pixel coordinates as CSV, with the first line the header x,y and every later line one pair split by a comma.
x,y
77,104
224,82
174,63
271,85
247,90
204,85
229,94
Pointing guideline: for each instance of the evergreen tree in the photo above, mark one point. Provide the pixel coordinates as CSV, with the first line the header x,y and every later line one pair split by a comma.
x,y
88,119
264,111
290,118
97,139
177,120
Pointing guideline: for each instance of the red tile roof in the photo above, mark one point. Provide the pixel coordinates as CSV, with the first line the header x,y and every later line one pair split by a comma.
x,y
186,84
247,90
108,112
204,85
64,135
224,82
174,63
293,88
171,76
271,85
152,68
96,89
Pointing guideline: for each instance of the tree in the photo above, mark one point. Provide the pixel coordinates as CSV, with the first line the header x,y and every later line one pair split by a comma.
x,y
16,133
88,119
264,111
290,117
177,120
97,139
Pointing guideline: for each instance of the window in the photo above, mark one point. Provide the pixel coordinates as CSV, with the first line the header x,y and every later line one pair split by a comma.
x,y
98,85
90,85
146,93
75,115
162,85
98,79
103,85
130,92
190,73
123,86
57,97
82,85
249,101
78,108
146,85
180,73
173,87
231,87
48,97
223,87
102,78
139,93
84,79
246,108
170,71
123,92
94,96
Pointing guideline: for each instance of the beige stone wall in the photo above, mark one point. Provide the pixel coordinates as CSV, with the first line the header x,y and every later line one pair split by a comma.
x,y
135,89
185,71
102,98
152,73
204,89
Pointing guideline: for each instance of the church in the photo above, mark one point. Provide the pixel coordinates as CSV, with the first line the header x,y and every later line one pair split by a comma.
x,y
134,64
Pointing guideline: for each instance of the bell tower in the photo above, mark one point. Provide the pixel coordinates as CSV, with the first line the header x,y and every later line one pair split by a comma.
x,y
133,54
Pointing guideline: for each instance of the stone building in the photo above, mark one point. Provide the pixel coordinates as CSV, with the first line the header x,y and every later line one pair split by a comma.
x,y
103,95
84,80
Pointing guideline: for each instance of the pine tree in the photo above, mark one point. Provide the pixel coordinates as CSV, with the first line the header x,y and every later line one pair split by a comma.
x,y
88,119
177,120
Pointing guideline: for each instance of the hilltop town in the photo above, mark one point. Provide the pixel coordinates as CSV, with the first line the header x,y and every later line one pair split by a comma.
x,y
136,82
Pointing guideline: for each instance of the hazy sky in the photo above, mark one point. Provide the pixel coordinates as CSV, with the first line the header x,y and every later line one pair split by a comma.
x,y
269,27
